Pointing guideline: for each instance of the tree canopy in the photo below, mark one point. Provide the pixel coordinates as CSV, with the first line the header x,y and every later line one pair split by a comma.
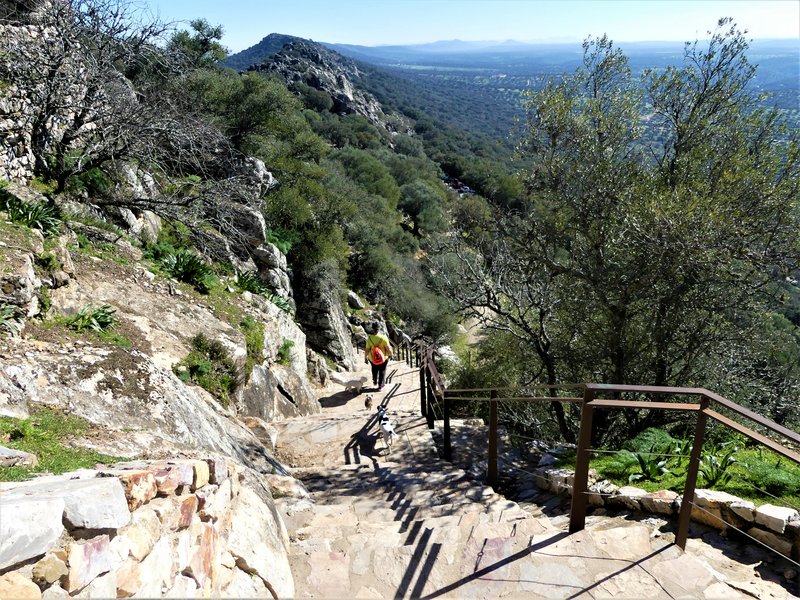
x,y
637,262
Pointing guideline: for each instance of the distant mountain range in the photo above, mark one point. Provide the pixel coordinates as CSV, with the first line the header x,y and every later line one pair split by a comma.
x,y
478,86
492,53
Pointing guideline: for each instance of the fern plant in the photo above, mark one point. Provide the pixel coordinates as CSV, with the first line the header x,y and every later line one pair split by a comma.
x,y
97,319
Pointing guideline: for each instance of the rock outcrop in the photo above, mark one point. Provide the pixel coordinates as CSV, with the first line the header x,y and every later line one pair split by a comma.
x,y
323,317
322,69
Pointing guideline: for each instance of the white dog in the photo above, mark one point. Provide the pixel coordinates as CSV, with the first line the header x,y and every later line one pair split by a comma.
x,y
355,384
387,428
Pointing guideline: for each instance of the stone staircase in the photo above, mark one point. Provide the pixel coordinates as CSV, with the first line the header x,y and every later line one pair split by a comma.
x,y
402,531
400,523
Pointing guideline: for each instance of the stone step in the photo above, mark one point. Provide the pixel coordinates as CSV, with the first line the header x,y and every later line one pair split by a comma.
x,y
432,561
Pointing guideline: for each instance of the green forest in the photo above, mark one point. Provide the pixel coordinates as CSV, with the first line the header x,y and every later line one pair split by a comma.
x,y
629,228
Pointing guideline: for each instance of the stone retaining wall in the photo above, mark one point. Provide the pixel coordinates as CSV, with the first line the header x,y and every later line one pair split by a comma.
x,y
776,526
177,529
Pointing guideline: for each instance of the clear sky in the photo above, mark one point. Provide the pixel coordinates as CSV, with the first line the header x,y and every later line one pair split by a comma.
x,y
381,22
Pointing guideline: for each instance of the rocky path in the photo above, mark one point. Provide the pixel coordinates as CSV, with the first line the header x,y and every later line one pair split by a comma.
x,y
400,523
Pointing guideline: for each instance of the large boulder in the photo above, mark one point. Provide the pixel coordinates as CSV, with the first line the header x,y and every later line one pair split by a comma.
x,y
18,282
323,318
272,269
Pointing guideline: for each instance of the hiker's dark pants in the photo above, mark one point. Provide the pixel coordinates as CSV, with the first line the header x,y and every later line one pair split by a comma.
x,y
379,373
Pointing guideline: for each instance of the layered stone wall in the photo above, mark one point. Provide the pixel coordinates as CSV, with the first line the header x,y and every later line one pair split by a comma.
x,y
775,526
181,528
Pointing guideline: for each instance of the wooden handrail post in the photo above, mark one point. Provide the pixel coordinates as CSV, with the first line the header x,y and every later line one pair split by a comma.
x,y
448,454
492,460
423,386
691,476
431,399
580,483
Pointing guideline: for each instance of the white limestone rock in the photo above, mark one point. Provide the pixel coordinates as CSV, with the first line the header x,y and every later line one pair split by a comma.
x,y
88,503
743,509
255,540
774,517
29,527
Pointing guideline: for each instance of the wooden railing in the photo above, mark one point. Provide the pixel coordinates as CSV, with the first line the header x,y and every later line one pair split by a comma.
x,y
436,399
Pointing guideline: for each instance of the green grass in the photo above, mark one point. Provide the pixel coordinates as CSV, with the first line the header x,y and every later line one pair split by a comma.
x,y
102,250
47,434
285,352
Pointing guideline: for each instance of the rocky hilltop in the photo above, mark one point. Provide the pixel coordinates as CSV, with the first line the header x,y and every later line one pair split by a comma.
x,y
305,62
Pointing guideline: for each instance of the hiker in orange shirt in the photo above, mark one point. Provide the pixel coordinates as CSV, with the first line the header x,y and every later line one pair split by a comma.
x,y
377,353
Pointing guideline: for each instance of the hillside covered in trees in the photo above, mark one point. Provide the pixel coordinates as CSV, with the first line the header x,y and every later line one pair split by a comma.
x,y
637,227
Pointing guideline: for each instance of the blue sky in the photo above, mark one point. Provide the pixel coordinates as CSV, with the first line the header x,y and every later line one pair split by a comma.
x,y
380,22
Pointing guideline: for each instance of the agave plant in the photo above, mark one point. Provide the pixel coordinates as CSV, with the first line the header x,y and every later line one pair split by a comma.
x,y
714,464
651,465
248,281
43,217
95,318
281,303
9,321
188,267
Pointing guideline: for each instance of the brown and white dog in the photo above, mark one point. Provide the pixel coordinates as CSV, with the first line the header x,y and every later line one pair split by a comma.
x,y
368,402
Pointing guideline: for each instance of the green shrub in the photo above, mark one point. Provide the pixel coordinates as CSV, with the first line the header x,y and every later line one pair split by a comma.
x,y
158,251
210,366
281,241
189,268
773,478
254,341
10,322
285,352
45,301
96,319
43,187
47,262
94,182
41,216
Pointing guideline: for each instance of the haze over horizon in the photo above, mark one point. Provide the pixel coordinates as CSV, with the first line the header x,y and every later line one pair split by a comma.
x,y
412,22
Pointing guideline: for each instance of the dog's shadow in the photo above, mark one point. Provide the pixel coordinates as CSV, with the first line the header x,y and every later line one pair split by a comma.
x,y
371,445
337,399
